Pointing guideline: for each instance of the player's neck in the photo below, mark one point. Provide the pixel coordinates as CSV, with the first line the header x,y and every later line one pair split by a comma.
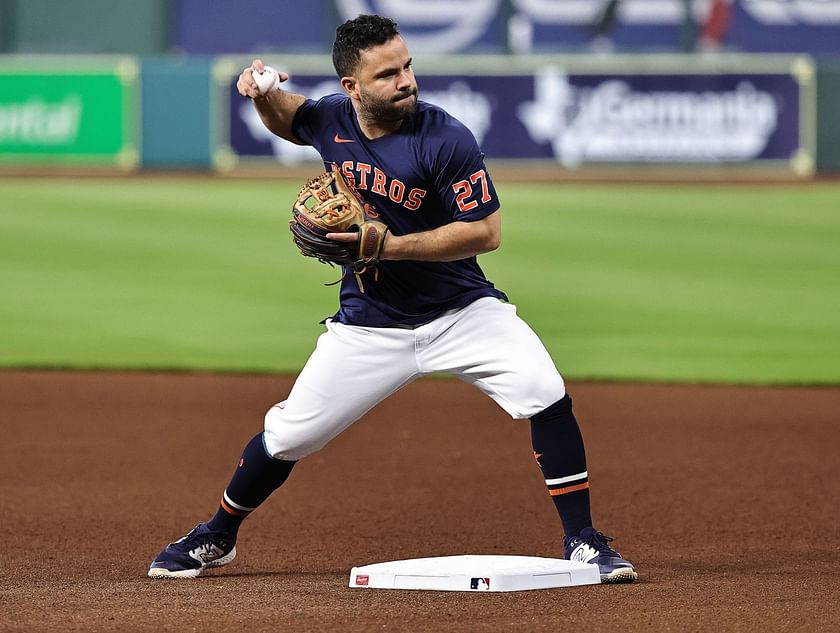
x,y
376,129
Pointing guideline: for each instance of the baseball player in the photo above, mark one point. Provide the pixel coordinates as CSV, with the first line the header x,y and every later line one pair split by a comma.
x,y
421,305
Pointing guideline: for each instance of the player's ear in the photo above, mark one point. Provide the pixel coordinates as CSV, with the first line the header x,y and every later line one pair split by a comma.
x,y
350,86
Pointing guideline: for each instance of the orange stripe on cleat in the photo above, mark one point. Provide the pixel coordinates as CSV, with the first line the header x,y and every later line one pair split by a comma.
x,y
563,491
230,510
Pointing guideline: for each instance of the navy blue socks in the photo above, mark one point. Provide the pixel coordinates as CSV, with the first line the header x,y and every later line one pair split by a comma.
x,y
558,447
555,436
256,477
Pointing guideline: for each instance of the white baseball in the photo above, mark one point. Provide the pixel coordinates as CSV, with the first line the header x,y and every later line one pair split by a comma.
x,y
267,80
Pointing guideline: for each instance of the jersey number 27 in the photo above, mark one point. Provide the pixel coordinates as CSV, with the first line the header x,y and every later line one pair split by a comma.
x,y
464,191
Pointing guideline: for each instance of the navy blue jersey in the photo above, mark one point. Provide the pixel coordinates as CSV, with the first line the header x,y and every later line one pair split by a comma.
x,y
428,173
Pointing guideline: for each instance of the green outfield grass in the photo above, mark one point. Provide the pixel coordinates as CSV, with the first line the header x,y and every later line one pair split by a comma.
x,y
674,283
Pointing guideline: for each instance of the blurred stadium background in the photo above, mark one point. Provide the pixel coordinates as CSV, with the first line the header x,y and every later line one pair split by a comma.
x,y
117,252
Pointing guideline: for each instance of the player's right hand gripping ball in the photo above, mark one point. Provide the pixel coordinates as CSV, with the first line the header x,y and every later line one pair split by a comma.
x,y
328,204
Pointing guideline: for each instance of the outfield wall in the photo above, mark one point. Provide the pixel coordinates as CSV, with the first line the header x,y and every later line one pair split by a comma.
x,y
761,114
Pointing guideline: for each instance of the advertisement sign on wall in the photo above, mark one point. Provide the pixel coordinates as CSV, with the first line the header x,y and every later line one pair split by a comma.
x,y
585,118
65,112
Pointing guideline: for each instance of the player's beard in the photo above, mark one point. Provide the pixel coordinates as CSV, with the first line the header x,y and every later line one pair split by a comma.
x,y
388,110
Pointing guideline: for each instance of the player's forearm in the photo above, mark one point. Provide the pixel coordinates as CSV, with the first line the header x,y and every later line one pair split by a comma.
x,y
277,110
447,243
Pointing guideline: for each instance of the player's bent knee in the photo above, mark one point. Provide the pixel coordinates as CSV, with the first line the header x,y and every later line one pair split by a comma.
x,y
550,388
287,441
543,392
560,410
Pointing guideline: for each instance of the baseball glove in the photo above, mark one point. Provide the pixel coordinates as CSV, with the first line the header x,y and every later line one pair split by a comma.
x,y
328,204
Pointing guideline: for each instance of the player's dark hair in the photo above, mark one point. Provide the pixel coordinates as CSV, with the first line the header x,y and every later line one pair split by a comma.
x,y
359,34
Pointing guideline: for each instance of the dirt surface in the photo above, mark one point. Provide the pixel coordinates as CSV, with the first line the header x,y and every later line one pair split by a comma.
x,y
725,499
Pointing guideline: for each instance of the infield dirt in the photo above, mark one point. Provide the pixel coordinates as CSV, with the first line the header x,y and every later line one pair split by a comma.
x,y
725,498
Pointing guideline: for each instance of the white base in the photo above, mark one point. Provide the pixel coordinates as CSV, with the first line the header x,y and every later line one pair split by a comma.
x,y
475,573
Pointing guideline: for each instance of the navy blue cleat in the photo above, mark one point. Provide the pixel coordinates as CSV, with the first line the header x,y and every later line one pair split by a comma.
x,y
192,554
590,546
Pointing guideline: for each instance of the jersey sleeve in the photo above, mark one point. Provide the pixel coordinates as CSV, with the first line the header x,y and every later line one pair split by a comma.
x,y
304,122
310,117
461,178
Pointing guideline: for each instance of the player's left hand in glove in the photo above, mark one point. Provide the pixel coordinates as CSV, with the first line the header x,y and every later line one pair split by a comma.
x,y
327,204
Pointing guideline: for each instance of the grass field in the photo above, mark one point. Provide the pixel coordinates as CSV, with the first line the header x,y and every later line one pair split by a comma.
x,y
671,283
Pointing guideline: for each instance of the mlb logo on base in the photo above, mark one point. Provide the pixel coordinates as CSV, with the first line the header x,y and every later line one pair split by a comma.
x,y
362,581
481,584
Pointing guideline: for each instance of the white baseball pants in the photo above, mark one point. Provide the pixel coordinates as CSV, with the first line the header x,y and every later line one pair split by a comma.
x,y
354,368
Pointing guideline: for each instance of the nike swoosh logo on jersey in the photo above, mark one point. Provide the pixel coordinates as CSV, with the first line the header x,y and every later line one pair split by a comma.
x,y
338,139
